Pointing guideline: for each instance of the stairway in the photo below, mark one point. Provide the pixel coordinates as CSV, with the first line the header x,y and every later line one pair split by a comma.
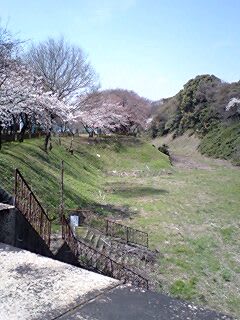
x,y
93,250
134,257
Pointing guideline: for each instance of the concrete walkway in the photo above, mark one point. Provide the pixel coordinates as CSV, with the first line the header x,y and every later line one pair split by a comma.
x,y
35,287
128,303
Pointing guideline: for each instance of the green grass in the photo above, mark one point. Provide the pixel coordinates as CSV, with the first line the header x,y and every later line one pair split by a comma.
x,y
190,213
83,171
184,289
223,142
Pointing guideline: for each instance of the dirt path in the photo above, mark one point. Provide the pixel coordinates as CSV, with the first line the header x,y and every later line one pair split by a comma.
x,y
187,162
184,154
199,162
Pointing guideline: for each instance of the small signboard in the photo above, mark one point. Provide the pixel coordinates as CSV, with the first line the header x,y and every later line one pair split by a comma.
x,y
74,222
77,213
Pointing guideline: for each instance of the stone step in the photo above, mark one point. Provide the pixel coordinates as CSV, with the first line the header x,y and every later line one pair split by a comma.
x,y
86,235
119,259
126,260
56,243
132,260
116,251
95,240
81,232
103,267
90,236
106,250
100,245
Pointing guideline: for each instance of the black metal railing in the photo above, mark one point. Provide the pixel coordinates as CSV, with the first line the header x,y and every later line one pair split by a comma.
x,y
30,207
92,258
117,230
113,229
128,234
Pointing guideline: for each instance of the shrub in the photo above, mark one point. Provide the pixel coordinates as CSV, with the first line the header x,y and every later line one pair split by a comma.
x,y
164,149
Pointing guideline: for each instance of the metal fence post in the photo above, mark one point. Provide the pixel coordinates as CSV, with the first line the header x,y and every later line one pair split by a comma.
x,y
30,203
15,188
106,227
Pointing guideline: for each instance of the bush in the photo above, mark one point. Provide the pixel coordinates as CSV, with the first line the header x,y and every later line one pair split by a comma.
x,y
164,149
223,142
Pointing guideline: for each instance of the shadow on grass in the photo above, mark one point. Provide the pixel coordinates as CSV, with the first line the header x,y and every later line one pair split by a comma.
x,y
111,210
132,191
117,143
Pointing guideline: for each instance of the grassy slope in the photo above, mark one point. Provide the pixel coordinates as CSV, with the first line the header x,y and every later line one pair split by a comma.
x,y
192,215
84,171
223,142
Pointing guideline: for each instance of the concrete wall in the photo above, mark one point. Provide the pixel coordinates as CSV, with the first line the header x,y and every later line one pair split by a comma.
x,y
5,197
64,254
15,230
7,226
27,238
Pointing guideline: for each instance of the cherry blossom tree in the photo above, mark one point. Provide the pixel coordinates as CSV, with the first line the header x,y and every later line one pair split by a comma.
x,y
118,111
233,103
233,109
108,118
24,99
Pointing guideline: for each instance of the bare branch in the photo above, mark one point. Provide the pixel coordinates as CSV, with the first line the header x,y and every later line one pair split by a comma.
x,y
64,68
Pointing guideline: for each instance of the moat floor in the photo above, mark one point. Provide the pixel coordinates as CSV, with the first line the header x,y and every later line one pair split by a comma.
x,y
35,287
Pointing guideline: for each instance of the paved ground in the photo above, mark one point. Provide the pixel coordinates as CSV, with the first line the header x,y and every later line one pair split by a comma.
x,y
35,287
128,303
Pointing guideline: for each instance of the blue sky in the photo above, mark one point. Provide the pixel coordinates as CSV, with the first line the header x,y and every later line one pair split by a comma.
x,y
150,46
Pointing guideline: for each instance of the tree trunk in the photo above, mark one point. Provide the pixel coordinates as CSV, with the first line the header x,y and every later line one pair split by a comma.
x,y
47,139
24,128
90,131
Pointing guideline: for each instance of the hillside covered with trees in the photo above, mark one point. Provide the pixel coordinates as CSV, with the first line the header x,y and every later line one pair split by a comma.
x,y
209,108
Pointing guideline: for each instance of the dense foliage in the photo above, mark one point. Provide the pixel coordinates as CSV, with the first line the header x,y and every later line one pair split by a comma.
x,y
223,142
207,106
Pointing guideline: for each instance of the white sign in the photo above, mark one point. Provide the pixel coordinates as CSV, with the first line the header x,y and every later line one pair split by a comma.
x,y
74,221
